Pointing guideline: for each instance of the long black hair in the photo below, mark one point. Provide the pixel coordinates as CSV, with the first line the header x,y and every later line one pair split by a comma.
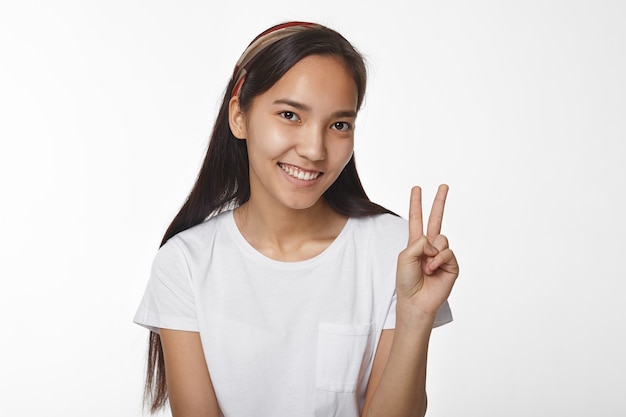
x,y
223,181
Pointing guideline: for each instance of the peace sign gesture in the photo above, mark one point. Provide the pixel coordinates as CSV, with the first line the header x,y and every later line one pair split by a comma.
x,y
427,268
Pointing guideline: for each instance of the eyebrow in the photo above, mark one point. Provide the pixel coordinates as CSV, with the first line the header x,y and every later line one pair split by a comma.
x,y
304,107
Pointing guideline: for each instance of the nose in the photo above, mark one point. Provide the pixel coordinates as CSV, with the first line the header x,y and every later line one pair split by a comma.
x,y
312,144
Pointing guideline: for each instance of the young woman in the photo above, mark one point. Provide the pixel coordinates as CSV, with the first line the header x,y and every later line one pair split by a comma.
x,y
279,288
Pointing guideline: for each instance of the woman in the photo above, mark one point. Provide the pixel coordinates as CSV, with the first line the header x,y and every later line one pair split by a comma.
x,y
279,288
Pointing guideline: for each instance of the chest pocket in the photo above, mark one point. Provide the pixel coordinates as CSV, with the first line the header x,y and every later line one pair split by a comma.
x,y
344,352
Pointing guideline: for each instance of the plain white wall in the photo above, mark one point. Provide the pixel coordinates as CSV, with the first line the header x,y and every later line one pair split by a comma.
x,y
105,110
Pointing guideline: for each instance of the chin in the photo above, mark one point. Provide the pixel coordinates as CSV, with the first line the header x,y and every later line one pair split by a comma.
x,y
302,202
300,205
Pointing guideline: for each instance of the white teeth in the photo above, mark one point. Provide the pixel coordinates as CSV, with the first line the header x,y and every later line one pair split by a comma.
x,y
299,174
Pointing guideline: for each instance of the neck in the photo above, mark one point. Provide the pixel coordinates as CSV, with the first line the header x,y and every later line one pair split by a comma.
x,y
289,234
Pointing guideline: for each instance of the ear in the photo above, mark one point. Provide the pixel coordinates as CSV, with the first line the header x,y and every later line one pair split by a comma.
x,y
236,119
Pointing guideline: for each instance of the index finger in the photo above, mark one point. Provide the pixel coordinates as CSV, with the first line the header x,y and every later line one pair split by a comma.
x,y
416,226
436,213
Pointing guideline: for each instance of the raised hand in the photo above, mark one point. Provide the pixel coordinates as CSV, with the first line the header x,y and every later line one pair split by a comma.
x,y
427,268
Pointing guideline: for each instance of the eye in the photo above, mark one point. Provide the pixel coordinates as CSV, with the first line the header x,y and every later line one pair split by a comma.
x,y
289,115
343,126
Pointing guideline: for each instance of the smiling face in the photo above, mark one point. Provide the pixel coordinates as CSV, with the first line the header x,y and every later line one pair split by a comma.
x,y
299,133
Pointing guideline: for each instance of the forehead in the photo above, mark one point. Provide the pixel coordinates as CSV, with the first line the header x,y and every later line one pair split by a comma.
x,y
320,82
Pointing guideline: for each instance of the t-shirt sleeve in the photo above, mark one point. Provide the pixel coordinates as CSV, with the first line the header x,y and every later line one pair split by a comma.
x,y
444,315
168,301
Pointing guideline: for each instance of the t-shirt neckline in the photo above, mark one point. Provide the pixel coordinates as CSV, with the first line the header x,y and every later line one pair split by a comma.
x,y
252,253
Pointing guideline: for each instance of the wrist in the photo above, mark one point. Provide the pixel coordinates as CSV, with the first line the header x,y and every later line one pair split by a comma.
x,y
414,317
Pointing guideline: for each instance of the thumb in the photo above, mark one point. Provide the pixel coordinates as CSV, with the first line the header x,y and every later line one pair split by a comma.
x,y
417,250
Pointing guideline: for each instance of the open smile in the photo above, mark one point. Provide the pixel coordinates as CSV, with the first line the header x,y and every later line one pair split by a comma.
x,y
299,173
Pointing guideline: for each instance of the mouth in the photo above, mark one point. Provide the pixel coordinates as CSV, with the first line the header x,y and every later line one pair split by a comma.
x,y
299,173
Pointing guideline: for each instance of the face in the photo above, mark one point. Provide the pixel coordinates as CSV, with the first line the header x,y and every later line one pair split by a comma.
x,y
299,133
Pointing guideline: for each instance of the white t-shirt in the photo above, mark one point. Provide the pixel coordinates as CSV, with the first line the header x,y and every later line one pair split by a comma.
x,y
281,338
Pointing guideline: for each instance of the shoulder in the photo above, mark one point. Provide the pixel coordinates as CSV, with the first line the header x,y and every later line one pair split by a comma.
x,y
190,243
381,236
202,233
383,228
390,223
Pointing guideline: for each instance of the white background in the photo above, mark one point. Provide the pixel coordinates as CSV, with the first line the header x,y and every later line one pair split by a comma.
x,y
105,111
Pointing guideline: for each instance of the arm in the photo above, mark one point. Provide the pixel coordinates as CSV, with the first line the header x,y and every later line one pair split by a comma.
x,y
427,270
189,385
398,377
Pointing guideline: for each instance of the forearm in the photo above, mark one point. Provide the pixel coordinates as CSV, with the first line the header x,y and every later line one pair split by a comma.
x,y
401,391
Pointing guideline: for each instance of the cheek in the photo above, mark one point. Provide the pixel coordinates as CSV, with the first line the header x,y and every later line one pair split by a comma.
x,y
343,151
267,138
